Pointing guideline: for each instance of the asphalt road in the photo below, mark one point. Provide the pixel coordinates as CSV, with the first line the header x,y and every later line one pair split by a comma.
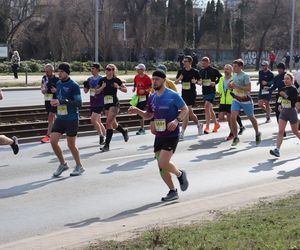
x,y
125,181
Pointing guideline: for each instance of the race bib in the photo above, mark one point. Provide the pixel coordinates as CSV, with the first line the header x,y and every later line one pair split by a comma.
x,y
240,92
92,92
286,103
206,82
279,100
265,92
62,110
160,125
108,99
186,85
48,97
142,98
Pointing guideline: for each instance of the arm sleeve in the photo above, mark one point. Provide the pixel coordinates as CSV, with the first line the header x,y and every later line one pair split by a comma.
x,y
76,102
219,75
179,102
118,81
274,85
178,74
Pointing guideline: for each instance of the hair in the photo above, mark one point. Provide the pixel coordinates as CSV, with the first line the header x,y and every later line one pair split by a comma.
x,y
239,62
189,58
114,67
228,66
291,76
205,59
49,66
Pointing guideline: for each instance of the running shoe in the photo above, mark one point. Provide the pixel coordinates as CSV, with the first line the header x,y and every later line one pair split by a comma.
x,y
78,170
15,145
216,127
181,136
242,129
200,128
183,181
206,130
235,142
45,139
258,138
101,139
229,137
268,120
141,131
125,135
275,152
61,168
105,148
171,196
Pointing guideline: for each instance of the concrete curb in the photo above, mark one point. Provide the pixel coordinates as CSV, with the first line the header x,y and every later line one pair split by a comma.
x,y
120,228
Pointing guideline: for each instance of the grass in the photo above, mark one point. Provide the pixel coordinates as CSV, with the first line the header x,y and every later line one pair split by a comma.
x,y
266,226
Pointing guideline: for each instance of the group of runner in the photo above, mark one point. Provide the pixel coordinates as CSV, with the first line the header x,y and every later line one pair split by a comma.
x,y
158,100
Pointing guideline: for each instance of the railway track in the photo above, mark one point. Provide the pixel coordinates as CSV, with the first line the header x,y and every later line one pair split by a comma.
x,y
30,123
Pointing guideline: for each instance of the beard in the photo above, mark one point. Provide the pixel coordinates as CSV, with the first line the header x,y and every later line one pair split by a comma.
x,y
157,87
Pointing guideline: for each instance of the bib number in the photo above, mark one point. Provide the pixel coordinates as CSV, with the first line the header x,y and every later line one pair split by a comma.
x,y
279,100
265,92
48,97
206,83
286,103
62,110
160,125
186,85
108,99
142,98
92,92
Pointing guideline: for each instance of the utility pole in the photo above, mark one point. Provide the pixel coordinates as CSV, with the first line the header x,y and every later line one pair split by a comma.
x,y
292,33
125,45
97,31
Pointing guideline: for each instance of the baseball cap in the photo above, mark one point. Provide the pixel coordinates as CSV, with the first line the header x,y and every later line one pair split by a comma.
x,y
265,63
141,66
162,67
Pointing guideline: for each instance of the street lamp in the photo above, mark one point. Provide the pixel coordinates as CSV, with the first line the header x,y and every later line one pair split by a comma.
x,y
292,31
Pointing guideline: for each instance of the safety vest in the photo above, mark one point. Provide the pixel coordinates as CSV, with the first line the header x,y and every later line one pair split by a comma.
x,y
225,96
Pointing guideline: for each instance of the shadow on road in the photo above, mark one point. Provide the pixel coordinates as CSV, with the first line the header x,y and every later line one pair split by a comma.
x,y
25,188
270,165
288,174
83,223
129,166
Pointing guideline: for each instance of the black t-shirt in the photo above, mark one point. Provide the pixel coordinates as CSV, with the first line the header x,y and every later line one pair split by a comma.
x,y
187,86
49,83
110,90
292,94
209,75
267,76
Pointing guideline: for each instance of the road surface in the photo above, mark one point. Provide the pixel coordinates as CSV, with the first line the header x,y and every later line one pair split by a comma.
x,y
125,181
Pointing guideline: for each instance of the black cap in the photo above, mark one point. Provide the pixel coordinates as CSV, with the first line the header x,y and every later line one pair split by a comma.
x,y
159,73
96,65
65,67
280,66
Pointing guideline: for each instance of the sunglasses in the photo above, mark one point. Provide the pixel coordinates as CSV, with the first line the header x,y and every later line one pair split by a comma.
x,y
109,69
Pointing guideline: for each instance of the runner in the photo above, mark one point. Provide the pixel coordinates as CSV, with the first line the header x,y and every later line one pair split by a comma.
x,y
226,101
241,86
265,81
109,86
96,100
278,84
48,81
4,140
163,106
288,96
68,101
142,86
210,77
189,77
169,83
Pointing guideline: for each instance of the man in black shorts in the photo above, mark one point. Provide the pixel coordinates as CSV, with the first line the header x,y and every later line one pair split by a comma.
x,y
68,101
48,81
189,77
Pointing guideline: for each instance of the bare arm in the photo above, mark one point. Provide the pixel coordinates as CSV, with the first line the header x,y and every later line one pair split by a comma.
x,y
144,114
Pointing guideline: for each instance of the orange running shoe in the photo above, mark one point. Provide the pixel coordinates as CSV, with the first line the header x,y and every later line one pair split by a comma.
x,y
216,127
45,139
206,130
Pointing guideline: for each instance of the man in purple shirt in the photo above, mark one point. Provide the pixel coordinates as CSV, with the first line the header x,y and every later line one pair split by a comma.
x,y
163,108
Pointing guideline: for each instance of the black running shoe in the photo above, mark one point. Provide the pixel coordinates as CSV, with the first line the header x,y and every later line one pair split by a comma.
x,y
125,135
171,196
242,129
15,146
105,148
183,181
101,140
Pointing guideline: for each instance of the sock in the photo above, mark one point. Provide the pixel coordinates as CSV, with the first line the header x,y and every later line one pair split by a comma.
x,y
182,131
120,129
239,121
109,135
